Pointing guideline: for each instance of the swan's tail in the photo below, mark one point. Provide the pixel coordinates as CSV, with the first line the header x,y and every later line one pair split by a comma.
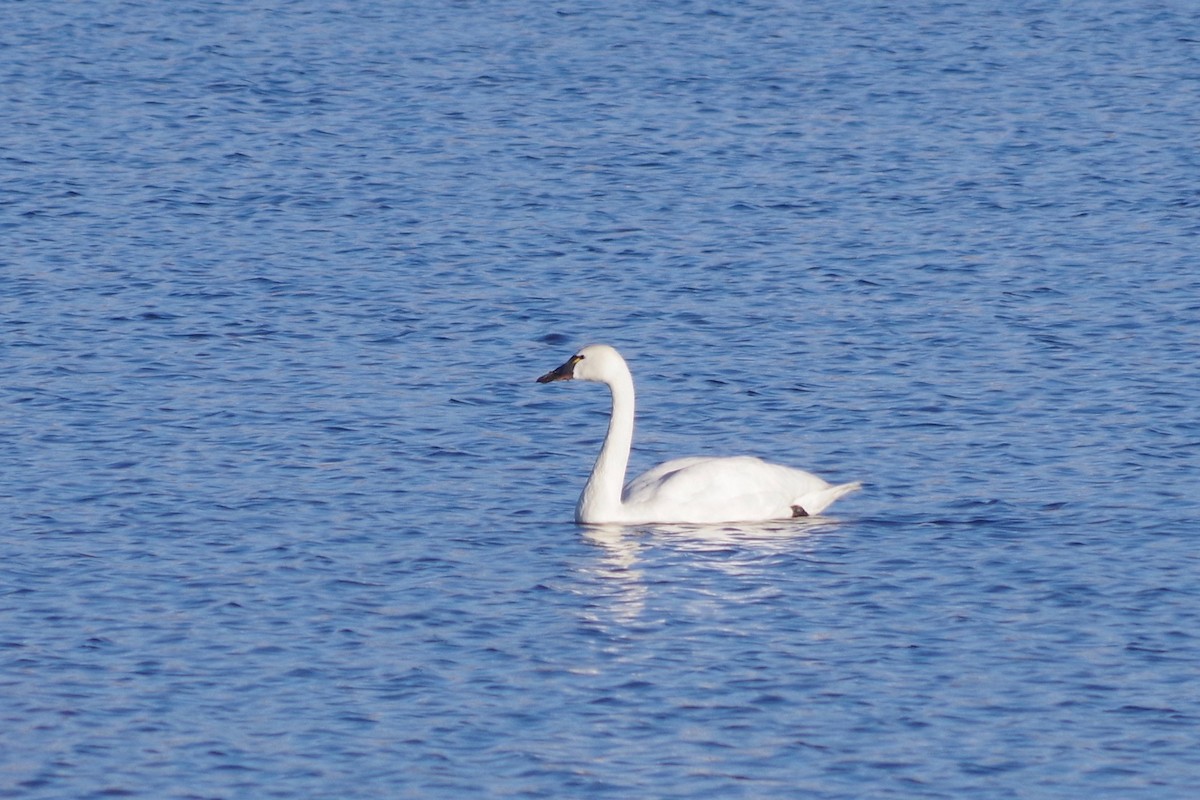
x,y
814,503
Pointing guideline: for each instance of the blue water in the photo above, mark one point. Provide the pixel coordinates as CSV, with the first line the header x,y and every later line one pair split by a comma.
x,y
284,513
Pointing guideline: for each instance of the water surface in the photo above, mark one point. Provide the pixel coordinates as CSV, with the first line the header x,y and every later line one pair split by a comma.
x,y
285,514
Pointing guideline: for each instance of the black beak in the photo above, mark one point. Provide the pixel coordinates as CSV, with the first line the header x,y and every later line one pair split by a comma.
x,y
564,373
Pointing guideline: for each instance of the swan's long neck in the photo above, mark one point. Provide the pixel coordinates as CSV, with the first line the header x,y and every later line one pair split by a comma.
x,y
601,498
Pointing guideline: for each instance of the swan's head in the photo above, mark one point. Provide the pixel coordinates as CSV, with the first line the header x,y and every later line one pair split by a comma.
x,y
596,362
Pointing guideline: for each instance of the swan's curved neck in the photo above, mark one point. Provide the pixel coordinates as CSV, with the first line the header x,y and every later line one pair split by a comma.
x,y
601,498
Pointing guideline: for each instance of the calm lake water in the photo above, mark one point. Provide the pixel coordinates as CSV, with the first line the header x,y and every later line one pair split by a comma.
x,y
285,515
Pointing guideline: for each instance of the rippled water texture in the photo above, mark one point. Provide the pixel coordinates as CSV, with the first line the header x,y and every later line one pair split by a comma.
x,y
285,514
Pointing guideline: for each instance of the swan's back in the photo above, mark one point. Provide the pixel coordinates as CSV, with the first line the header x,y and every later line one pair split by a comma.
x,y
734,489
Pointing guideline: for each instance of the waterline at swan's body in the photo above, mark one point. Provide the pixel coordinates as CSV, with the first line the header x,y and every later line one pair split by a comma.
x,y
688,490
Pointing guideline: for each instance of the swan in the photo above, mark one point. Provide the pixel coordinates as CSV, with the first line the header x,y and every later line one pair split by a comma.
x,y
684,490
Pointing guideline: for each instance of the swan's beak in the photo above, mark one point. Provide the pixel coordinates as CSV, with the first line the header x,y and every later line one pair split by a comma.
x,y
564,373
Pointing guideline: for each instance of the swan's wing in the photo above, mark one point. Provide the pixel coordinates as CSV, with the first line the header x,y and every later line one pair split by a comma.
x,y
720,489
639,486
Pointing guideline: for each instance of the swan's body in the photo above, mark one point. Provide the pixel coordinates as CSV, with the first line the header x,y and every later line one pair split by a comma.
x,y
691,490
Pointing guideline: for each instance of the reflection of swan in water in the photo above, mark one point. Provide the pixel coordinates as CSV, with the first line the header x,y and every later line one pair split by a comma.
x,y
743,552
754,538
624,584
696,490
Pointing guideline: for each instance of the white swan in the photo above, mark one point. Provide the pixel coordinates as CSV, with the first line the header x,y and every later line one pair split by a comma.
x,y
689,490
